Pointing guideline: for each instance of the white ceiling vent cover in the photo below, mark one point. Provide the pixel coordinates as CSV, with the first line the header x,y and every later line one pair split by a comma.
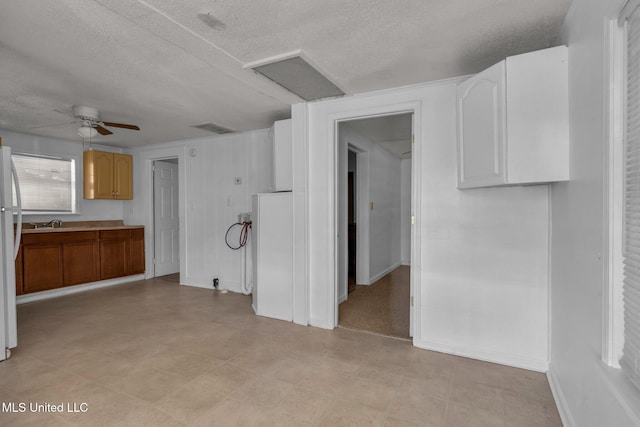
x,y
213,128
295,74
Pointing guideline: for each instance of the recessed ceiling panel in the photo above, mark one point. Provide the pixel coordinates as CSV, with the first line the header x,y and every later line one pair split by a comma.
x,y
296,75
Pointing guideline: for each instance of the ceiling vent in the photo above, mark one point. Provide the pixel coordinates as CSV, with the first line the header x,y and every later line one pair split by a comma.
x,y
213,128
296,75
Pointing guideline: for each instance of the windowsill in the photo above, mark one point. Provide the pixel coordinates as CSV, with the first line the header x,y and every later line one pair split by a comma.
x,y
30,214
624,391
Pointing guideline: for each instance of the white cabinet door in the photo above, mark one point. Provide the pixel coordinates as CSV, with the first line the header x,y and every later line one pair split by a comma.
x,y
513,122
481,128
282,155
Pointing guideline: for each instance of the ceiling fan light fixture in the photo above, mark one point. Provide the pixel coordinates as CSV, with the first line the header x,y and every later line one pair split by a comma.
x,y
86,132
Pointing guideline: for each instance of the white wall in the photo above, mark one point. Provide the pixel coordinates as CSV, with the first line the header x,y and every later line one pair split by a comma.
x,y
384,218
481,255
405,211
210,200
587,392
89,210
383,222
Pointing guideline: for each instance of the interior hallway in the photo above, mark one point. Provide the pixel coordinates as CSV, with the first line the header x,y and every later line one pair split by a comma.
x,y
382,307
153,353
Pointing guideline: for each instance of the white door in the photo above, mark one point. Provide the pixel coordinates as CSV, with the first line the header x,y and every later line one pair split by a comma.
x,y
166,224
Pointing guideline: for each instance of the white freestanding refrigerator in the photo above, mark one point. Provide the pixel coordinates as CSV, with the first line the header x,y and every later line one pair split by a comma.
x,y
272,246
9,246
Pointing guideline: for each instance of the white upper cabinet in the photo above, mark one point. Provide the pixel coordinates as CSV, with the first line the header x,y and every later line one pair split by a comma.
x,y
513,122
282,156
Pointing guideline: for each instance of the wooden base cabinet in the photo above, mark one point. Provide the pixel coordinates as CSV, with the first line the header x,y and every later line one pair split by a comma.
x,y
121,253
80,259
43,262
56,259
137,251
19,273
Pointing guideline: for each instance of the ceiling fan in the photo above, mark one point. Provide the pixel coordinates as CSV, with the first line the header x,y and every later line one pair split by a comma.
x,y
91,125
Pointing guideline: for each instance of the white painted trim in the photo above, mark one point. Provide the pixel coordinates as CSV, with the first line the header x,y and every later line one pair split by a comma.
x,y
68,290
342,298
146,158
560,399
394,91
299,123
612,303
363,229
332,120
383,273
480,353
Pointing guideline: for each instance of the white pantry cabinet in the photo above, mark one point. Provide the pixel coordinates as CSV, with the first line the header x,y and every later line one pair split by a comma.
x,y
282,156
513,122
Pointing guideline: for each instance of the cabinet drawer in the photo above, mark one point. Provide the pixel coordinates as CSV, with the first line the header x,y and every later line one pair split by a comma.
x,y
59,237
114,234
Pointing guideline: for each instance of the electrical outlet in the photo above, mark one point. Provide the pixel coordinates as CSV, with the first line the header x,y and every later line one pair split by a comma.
x,y
244,217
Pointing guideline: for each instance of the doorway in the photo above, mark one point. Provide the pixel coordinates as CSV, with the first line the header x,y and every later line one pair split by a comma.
x,y
166,227
352,229
374,223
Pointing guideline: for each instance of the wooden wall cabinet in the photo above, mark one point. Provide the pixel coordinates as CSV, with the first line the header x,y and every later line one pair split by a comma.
x,y
107,175
513,122
56,259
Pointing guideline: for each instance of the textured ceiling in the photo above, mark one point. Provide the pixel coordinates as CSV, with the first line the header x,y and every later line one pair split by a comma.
x,y
167,65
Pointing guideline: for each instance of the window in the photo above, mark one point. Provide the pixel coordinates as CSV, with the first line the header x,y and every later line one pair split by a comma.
x,y
630,361
47,184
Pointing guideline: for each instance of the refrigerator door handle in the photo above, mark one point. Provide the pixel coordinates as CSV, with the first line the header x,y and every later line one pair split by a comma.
x,y
18,208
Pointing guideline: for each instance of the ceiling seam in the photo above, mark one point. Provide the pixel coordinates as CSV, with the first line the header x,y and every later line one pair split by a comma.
x,y
213,45
159,12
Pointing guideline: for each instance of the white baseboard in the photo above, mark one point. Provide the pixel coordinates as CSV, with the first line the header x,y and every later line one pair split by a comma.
x,y
486,355
380,275
407,263
54,293
342,298
560,399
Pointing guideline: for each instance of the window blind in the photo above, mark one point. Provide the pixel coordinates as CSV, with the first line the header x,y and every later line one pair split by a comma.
x,y
46,184
630,361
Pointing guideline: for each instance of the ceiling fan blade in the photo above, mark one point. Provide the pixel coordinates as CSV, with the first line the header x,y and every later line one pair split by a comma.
x,y
103,131
121,125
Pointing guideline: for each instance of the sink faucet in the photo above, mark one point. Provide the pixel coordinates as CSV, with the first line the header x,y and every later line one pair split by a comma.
x,y
53,223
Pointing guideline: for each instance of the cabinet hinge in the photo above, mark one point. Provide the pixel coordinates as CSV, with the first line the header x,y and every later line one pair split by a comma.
x,y
411,300
413,138
413,219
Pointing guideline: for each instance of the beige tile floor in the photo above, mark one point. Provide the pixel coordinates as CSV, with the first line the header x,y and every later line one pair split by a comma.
x,y
381,307
155,353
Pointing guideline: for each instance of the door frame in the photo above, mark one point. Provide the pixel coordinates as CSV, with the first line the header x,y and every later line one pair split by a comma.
x,y
147,157
153,185
362,220
413,108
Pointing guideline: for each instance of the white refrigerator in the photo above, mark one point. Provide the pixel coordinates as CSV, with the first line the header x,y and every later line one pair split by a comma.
x,y
272,252
9,245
